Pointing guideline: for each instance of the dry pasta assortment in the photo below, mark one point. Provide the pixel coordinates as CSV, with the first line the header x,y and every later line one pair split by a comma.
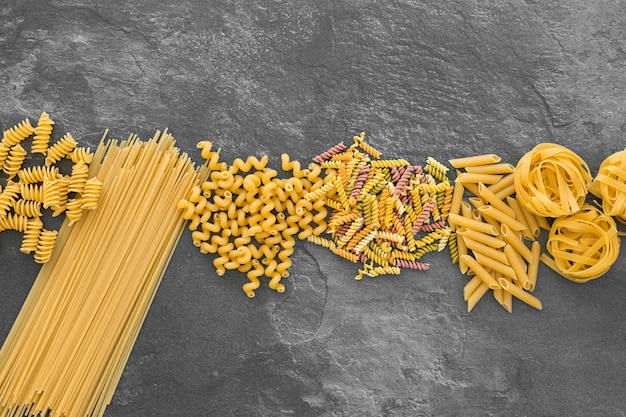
x,y
31,189
102,269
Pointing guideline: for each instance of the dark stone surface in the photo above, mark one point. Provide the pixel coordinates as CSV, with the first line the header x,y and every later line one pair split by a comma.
x,y
422,78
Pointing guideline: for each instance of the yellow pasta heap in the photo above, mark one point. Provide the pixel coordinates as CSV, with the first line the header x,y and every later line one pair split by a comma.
x,y
491,232
610,185
249,216
583,245
68,347
551,180
386,213
42,186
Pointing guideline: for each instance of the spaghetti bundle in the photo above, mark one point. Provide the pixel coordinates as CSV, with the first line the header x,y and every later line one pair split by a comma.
x,y
67,349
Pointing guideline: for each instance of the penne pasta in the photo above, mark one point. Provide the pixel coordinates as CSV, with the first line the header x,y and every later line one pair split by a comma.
x,y
491,169
476,296
533,265
520,294
476,160
517,244
471,178
498,215
488,196
472,224
480,272
489,240
518,267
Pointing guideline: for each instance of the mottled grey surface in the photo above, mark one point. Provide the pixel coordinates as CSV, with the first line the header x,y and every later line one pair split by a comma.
x,y
422,78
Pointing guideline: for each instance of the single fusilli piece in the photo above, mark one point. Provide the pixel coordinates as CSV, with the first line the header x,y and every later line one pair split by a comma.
x,y
42,134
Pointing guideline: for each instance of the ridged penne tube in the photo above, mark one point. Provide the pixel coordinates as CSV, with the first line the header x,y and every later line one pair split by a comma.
x,y
501,168
476,296
471,178
520,294
480,271
513,240
531,232
533,266
504,183
495,264
476,160
461,221
494,213
471,286
483,238
489,197
518,266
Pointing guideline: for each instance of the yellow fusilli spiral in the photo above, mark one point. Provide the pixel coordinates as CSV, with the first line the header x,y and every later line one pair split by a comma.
x,y
14,161
31,235
31,175
584,245
60,149
551,180
80,173
81,153
73,210
47,239
386,163
91,193
28,208
14,222
42,134
33,192
17,133
8,197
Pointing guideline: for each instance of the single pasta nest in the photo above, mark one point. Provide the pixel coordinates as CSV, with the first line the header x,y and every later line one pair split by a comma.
x,y
584,245
551,180
610,185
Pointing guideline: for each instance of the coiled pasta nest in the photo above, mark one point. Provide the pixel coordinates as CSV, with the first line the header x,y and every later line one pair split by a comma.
x,y
611,184
551,180
584,245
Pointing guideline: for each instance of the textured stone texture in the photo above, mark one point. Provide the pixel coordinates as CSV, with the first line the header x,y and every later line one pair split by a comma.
x,y
422,78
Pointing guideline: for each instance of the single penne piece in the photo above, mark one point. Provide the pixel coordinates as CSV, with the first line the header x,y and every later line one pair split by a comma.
x,y
542,222
457,198
466,210
471,178
471,187
487,195
495,265
483,238
507,300
505,182
476,160
533,266
491,169
494,213
475,297
493,253
528,233
513,240
531,219
471,286
461,221
461,250
497,294
518,266
480,272
505,192
519,293
476,201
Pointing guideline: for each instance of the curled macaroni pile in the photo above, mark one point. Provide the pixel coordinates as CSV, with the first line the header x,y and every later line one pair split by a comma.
x,y
249,216
43,186
583,245
551,180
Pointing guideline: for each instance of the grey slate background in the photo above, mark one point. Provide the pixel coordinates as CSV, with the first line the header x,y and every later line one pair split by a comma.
x,y
421,78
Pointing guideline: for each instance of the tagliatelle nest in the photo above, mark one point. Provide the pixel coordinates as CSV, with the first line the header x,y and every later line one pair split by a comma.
x,y
551,180
584,245
611,184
